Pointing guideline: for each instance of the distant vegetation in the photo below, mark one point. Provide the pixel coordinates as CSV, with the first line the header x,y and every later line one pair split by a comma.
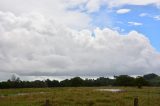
x,y
122,80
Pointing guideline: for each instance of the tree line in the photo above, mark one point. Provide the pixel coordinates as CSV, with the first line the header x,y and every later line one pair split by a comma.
x,y
121,80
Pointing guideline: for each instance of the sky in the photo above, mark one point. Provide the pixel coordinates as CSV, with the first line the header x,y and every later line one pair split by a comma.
x,y
45,38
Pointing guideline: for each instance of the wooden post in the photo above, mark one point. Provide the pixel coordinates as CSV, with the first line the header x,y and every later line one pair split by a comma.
x,y
47,103
136,101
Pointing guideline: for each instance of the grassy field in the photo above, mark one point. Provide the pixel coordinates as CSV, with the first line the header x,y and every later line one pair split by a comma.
x,y
82,96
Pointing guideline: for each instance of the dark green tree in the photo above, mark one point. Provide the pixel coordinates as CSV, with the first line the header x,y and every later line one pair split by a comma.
x,y
140,81
77,81
124,80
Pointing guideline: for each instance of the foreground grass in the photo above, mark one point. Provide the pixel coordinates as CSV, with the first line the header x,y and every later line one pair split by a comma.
x,y
79,97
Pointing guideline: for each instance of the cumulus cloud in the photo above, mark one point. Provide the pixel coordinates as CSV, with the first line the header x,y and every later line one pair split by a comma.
x,y
93,5
59,10
51,37
123,11
135,23
36,45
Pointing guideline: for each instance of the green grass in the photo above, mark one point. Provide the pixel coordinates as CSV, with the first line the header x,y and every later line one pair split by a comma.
x,y
83,96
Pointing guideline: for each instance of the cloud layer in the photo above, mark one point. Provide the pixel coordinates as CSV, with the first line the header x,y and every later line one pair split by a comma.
x,y
34,44
59,10
94,5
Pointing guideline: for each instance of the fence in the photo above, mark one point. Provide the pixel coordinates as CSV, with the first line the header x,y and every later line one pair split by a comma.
x,y
48,103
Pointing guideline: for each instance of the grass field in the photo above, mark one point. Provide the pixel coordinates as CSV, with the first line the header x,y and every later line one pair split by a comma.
x,y
82,96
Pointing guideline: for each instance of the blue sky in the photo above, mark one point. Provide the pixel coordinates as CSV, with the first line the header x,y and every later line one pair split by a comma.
x,y
106,17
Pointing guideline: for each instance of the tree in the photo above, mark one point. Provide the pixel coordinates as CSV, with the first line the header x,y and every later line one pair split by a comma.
x,y
65,83
77,81
53,83
150,76
140,81
124,80
101,81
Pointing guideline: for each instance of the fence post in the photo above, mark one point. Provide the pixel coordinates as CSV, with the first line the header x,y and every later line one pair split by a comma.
x,y
136,101
47,103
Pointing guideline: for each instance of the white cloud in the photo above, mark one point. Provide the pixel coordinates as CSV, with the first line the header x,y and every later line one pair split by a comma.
x,y
135,23
157,17
36,45
60,7
117,3
41,38
123,11
58,10
144,14
93,5
96,4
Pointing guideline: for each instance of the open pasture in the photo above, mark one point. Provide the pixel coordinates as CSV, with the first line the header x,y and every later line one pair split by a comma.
x,y
80,96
